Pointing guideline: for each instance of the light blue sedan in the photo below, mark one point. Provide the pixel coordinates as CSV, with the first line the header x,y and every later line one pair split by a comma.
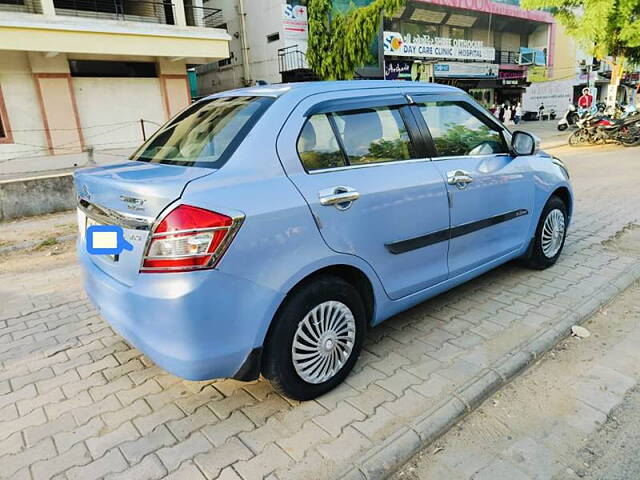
x,y
271,226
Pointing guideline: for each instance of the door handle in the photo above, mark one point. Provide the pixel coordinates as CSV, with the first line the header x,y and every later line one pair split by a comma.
x,y
340,197
459,178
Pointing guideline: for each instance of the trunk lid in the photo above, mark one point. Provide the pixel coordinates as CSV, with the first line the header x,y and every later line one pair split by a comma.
x,y
132,195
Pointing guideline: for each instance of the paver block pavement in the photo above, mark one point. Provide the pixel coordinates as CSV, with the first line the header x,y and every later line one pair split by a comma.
x,y
93,406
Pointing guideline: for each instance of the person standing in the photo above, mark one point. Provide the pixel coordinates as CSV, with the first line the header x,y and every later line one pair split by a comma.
x,y
518,113
508,117
586,100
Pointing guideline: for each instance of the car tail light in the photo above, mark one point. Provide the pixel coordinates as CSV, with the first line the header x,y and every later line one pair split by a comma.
x,y
189,238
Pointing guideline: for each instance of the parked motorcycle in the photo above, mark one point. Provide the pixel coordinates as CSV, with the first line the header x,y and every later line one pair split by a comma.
x,y
586,132
598,130
570,117
625,131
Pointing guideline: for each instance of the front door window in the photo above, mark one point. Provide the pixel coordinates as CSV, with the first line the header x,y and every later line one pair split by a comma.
x,y
373,135
457,132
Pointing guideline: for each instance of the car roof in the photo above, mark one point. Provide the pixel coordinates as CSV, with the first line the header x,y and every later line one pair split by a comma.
x,y
311,88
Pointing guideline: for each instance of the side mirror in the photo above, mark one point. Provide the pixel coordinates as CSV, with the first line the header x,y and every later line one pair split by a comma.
x,y
523,143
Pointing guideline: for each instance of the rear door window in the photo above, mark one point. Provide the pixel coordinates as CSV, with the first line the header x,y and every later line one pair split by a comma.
x,y
374,135
317,145
456,131
354,137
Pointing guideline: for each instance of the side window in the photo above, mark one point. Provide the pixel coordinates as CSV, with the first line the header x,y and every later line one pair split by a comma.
x,y
317,145
373,135
456,131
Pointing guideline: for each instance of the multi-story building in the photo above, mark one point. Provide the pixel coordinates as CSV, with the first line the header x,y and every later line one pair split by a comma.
x,y
260,32
492,49
76,74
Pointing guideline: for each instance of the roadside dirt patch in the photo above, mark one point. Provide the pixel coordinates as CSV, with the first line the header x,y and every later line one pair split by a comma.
x,y
43,233
47,255
626,240
544,422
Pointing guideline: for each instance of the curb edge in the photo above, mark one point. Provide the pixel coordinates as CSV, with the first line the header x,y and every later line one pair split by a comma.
x,y
401,446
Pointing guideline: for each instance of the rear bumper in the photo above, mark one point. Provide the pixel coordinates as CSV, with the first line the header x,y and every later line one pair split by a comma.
x,y
196,325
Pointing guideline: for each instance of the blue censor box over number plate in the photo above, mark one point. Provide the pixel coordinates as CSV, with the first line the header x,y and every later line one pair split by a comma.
x,y
106,240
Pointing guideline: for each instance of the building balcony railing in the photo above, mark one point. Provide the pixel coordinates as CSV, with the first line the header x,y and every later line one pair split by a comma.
x,y
198,16
293,65
291,58
24,6
152,11
507,57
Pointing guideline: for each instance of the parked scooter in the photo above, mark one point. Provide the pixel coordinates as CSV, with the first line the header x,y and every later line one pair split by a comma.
x,y
570,117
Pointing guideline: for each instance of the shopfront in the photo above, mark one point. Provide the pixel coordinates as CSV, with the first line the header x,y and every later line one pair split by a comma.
x,y
480,46
467,64
512,81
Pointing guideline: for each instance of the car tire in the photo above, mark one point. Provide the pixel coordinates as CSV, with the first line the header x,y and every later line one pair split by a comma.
x,y
289,366
547,245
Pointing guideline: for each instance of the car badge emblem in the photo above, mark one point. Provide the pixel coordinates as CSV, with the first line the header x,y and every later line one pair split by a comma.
x,y
133,203
86,193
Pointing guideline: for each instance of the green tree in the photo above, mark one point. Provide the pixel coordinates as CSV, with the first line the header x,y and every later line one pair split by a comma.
x,y
605,28
339,42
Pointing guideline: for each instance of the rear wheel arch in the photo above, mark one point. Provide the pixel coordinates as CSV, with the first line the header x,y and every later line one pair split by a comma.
x,y
349,273
359,280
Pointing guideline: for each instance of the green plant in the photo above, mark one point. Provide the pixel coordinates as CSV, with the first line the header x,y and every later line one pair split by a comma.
x,y
339,42
49,242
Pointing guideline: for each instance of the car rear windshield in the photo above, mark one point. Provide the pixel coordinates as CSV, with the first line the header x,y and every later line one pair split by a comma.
x,y
205,134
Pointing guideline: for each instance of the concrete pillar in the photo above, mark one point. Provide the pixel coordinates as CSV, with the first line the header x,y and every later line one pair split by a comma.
x,y
47,7
178,7
551,49
174,85
57,102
